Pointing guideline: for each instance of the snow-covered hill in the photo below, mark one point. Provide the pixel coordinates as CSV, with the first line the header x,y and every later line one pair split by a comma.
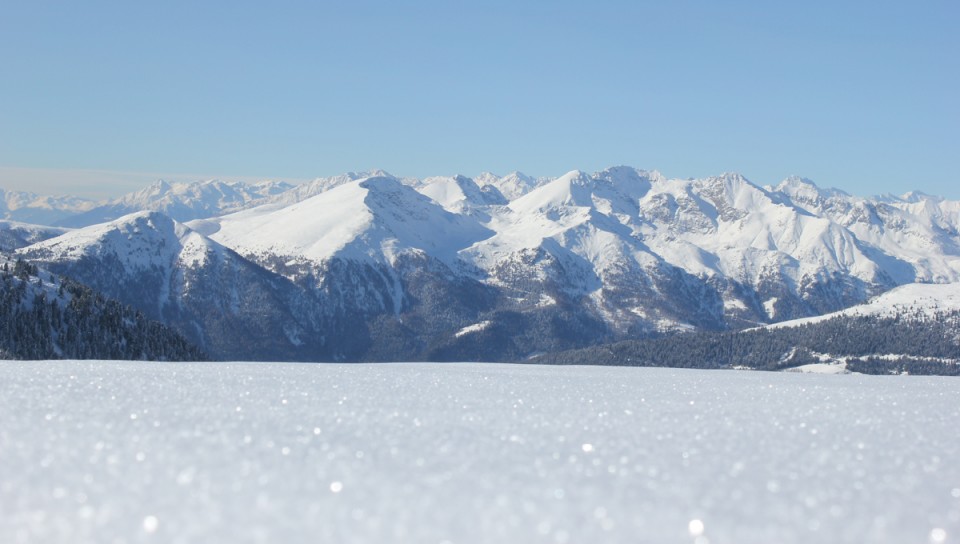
x,y
933,307
908,301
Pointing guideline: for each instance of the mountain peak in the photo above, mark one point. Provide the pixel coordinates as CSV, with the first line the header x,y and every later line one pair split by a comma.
x,y
511,186
575,188
805,190
516,174
914,197
624,171
375,173
385,183
141,239
793,184
159,187
368,219
575,176
730,183
461,194
629,180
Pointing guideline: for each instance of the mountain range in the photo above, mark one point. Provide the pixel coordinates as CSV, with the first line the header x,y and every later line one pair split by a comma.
x,y
368,266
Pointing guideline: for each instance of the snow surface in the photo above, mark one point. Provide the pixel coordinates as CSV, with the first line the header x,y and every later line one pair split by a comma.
x,y
821,368
460,453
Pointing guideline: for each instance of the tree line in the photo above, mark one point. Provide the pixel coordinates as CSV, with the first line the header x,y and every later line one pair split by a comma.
x,y
923,343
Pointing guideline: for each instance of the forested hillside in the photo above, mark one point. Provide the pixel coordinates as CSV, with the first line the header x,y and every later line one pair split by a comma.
x,y
919,343
48,317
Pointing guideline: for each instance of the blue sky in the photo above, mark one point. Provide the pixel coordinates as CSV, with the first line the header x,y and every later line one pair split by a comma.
x,y
857,95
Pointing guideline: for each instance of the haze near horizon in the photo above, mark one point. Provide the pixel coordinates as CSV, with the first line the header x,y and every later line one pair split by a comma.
x,y
857,96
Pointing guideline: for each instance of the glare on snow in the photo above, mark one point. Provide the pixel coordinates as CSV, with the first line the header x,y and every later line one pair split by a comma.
x,y
428,453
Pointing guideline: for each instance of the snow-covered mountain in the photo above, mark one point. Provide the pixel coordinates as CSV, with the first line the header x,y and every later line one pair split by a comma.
x,y
459,194
512,185
223,303
773,260
378,256
371,220
502,267
36,209
319,185
569,242
182,201
920,230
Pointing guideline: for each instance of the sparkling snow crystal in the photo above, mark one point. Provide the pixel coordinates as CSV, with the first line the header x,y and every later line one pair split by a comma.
x,y
461,453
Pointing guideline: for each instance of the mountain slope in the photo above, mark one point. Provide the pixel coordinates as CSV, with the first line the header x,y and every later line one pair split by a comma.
x,y
461,195
385,260
921,231
566,243
14,235
45,317
225,304
792,262
512,185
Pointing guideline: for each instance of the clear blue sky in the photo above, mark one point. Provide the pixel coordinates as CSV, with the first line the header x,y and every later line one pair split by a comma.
x,y
864,96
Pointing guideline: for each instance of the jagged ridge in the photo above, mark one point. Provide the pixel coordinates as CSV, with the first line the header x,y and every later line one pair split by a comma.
x,y
525,265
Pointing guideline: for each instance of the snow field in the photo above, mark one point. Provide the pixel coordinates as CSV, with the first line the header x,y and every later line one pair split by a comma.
x,y
467,453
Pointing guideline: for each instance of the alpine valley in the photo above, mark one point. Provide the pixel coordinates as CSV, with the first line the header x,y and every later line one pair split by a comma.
x,y
371,267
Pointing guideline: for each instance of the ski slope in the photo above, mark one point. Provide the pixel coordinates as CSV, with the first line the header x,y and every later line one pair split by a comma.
x,y
469,453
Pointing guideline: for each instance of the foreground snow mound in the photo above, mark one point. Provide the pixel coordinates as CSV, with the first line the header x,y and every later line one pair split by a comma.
x,y
234,452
